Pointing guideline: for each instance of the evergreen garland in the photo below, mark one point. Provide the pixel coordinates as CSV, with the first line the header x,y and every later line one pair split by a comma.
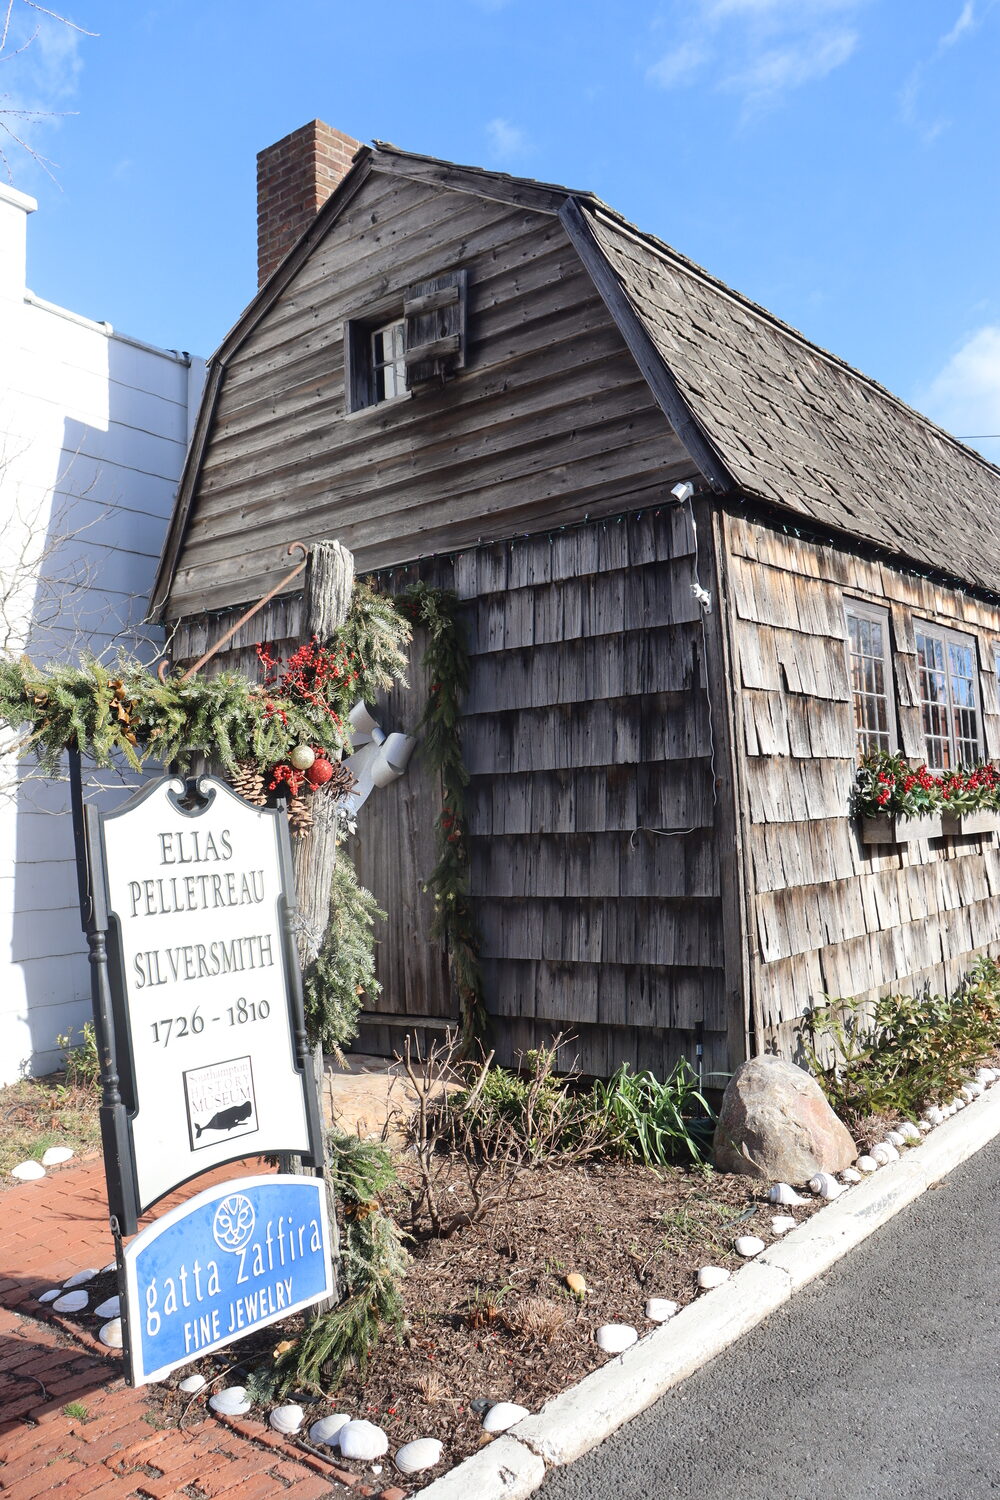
x,y
453,924
127,710
344,968
372,1263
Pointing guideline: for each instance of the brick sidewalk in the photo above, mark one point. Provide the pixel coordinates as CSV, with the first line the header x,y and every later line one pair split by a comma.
x,y
48,1230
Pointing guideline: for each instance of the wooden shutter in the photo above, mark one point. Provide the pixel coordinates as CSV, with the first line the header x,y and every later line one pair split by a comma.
x,y
435,313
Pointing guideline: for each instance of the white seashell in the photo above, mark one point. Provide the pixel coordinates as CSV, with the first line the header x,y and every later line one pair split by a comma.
x,y
56,1154
748,1244
824,1185
782,1193
896,1138
712,1276
884,1153
985,1076
191,1383
924,1126
71,1302
327,1429
50,1296
111,1334
615,1338
80,1278
363,1440
867,1164
659,1309
966,1093
850,1175
505,1414
422,1453
909,1132
781,1223
110,1309
956,1104
935,1115
977,1090
287,1418
233,1401
28,1171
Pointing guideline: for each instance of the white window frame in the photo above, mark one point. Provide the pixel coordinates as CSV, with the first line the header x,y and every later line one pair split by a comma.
x,y
946,749
865,692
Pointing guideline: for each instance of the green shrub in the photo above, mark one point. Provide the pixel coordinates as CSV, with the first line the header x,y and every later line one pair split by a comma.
x,y
83,1064
657,1122
904,1051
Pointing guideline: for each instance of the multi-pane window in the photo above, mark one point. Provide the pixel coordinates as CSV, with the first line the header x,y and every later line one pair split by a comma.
x,y
871,677
388,361
949,699
375,360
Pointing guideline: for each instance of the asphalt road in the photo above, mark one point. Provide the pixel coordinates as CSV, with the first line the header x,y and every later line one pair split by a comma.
x,y
880,1379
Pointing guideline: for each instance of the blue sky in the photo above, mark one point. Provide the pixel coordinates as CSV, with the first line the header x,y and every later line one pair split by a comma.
x,y
836,160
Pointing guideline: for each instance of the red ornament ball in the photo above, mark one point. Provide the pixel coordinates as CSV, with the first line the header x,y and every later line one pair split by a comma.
x,y
319,772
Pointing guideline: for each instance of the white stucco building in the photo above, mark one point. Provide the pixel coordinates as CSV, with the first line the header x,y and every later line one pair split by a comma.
x,y
93,431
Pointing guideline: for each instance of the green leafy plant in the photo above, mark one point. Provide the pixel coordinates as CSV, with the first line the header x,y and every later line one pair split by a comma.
x,y
657,1121
82,1060
902,1052
77,1410
888,784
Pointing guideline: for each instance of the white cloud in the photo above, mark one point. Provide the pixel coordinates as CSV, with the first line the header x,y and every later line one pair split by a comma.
x,y
759,49
964,396
965,22
678,66
775,72
507,141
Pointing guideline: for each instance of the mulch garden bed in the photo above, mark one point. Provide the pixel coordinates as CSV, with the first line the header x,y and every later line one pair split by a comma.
x,y
490,1316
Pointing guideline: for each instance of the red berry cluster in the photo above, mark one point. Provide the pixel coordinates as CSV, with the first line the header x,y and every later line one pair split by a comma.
x,y
310,675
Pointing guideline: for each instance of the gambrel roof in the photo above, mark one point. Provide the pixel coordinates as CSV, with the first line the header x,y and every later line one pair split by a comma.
x,y
763,413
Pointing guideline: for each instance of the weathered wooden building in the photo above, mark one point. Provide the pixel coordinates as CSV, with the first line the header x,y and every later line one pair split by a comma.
x,y
498,384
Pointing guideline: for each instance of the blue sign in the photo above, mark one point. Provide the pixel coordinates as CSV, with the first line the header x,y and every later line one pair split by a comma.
x,y
243,1254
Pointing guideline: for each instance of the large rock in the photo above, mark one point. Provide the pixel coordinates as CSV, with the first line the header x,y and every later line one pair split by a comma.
x,y
775,1124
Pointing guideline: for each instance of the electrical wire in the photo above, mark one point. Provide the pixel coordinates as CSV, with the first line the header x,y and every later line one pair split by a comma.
x,y
704,598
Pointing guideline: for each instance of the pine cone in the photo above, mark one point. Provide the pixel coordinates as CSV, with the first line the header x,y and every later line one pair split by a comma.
x,y
247,779
342,782
299,817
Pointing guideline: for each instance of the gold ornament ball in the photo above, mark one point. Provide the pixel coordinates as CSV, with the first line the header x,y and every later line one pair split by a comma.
x,y
302,757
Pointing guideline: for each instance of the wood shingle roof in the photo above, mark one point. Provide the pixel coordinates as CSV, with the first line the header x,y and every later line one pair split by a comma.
x,y
799,428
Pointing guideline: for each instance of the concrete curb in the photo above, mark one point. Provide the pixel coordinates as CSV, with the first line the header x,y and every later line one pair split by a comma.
x,y
579,1419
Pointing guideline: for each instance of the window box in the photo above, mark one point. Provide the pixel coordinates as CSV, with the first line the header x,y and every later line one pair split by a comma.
x,y
958,825
886,830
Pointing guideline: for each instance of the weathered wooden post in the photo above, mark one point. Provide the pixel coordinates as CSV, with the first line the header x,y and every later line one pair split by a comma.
x,y
329,581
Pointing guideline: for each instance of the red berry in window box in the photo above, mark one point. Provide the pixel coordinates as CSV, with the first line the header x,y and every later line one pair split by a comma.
x,y
319,772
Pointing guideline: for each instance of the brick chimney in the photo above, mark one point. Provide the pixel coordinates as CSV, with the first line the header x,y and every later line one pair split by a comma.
x,y
295,177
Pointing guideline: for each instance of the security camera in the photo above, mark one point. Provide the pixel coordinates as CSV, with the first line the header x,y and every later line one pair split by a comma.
x,y
683,491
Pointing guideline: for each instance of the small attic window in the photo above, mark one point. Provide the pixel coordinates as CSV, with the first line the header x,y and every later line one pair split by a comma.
x,y
407,345
376,361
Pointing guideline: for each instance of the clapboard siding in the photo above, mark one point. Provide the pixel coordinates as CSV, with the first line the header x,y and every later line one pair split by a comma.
x,y
828,914
548,422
